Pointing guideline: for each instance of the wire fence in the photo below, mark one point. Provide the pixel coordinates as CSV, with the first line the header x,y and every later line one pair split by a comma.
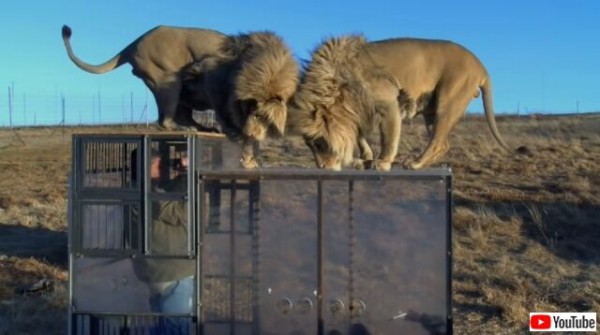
x,y
23,110
134,108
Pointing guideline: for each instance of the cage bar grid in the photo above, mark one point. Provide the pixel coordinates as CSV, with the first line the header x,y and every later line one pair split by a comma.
x,y
236,302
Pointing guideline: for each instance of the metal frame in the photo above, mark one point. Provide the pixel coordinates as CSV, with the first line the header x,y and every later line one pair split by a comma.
x,y
201,180
439,174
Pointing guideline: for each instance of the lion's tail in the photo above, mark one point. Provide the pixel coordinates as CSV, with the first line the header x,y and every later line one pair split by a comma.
x,y
109,65
486,96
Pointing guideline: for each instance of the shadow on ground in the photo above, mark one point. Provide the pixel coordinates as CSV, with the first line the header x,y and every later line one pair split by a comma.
x,y
570,231
43,244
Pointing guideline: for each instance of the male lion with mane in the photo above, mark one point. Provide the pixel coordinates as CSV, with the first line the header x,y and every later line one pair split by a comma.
x,y
248,84
340,99
157,58
351,85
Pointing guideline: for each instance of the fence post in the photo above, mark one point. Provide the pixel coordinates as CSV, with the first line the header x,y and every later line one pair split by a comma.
x,y
10,108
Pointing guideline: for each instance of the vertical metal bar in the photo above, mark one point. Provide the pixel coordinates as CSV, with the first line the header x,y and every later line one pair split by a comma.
x,y
89,162
201,189
191,198
450,320
98,225
72,231
320,323
254,219
232,250
107,225
86,161
107,162
123,165
113,162
146,179
93,158
351,242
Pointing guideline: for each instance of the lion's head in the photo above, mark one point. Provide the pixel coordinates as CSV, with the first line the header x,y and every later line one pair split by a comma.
x,y
265,77
251,80
332,101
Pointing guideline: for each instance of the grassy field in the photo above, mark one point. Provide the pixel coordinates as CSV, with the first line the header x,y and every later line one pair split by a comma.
x,y
526,228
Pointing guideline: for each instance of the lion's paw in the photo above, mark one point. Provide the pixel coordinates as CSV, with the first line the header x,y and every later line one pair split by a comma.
x,y
383,165
168,124
411,164
249,163
362,164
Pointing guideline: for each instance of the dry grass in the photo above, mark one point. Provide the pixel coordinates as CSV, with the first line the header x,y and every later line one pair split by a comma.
x,y
526,228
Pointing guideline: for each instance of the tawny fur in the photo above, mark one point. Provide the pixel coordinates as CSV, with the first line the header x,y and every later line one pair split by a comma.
x,y
248,82
350,85
157,57
335,99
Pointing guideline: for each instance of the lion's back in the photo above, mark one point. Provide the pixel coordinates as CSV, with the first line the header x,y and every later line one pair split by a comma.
x,y
424,61
184,45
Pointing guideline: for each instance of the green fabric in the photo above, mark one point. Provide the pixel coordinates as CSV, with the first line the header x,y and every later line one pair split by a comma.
x,y
168,236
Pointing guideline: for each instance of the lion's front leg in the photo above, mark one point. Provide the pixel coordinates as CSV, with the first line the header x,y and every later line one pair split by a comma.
x,y
366,155
390,127
248,161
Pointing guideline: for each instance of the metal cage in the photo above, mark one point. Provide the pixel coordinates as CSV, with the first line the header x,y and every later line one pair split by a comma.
x,y
273,251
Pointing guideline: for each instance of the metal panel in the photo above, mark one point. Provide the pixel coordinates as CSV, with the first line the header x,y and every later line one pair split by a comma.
x,y
108,285
348,253
108,227
112,285
215,154
288,269
227,293
391,235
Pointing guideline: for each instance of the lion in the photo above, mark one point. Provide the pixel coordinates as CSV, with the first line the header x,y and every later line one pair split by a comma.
x,y
248,84
351,86
157,58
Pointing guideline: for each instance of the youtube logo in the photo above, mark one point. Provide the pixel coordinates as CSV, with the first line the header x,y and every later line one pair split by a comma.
x,y
540,321
559,322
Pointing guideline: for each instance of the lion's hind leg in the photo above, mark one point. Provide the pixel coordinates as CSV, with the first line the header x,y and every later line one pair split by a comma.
x,y
166,94
448,114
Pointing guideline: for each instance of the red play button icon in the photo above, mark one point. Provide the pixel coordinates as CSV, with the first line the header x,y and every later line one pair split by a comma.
x,y
540,321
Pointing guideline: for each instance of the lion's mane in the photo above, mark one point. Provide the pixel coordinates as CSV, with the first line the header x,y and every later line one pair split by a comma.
x,y
333,99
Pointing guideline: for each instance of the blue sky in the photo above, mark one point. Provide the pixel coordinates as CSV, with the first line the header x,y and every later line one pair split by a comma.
x,y
542,55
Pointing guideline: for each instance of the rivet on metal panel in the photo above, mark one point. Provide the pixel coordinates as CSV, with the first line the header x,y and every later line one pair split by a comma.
x,y
284,306
358,307
336,306
304,305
